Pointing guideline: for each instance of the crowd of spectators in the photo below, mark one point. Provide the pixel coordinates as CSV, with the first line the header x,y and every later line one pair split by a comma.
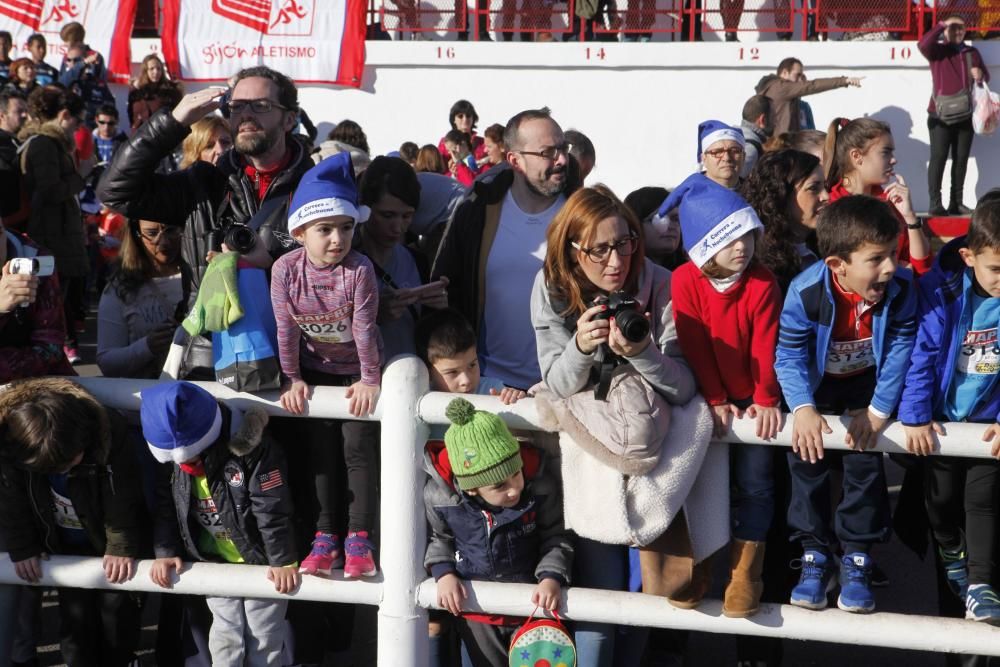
x,y
489,257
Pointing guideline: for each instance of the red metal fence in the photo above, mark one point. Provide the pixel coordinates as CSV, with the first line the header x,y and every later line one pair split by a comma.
x,y
682,19
641,19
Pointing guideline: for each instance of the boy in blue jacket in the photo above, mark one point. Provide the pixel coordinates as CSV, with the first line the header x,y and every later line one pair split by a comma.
x,y
847,330
953,377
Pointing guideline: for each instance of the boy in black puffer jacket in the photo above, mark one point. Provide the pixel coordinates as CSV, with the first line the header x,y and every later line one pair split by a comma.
x,y
223,498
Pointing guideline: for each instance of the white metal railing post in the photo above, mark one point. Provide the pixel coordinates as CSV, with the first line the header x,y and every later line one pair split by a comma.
x,y
402,624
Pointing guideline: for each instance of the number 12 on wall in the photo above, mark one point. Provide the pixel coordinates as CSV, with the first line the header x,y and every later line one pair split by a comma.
x,y
753,53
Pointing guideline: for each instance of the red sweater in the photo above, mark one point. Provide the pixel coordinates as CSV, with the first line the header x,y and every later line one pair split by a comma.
x,y
729,338
919,266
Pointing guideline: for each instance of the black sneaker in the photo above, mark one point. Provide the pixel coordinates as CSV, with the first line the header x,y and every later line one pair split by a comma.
x,y
938,211
957,208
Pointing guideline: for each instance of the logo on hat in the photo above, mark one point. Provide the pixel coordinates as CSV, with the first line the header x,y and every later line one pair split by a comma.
x,y
233,474
470,457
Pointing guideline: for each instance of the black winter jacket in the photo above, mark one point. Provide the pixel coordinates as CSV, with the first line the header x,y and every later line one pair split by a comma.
x,y
203,197
259,521
105,488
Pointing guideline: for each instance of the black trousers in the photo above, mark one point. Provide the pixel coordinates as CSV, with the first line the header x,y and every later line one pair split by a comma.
x,y
98,627
360,442
954,140
964,491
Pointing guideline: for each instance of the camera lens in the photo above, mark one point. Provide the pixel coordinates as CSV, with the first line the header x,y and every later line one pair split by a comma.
x,y
240,238
633,325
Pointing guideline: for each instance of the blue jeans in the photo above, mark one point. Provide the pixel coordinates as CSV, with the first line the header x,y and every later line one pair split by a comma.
x,y
602,566
753,491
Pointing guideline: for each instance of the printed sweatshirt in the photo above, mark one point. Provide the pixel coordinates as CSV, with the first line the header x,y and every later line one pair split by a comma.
x,y
326,316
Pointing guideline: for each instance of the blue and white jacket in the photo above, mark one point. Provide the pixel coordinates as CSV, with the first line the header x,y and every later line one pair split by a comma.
x,y
807,320
945,313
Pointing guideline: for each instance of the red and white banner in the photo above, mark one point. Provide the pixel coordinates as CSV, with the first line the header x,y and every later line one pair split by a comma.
x,y
312,41
108,24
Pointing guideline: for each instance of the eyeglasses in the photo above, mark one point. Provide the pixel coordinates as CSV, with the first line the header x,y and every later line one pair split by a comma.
x,y
602,252
257,106
551,153
717,153
166,232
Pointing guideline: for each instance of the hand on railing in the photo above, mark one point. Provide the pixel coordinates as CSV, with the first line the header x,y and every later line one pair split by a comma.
x,y
118,569
286,579
29,569
162,571
854,81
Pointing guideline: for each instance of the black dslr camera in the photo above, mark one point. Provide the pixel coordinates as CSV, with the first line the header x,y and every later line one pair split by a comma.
x,y
625,309
237,237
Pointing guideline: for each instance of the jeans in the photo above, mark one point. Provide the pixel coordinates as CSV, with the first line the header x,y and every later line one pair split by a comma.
x,y
863,513
602,566
753,491
957,140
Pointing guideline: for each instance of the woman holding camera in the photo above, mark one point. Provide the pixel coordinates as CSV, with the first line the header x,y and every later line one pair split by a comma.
x,y
595,252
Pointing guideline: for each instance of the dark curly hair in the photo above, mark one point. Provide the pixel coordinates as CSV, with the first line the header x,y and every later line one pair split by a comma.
x,y
769,189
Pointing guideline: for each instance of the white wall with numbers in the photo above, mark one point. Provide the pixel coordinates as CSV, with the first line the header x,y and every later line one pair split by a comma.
x,y
639,103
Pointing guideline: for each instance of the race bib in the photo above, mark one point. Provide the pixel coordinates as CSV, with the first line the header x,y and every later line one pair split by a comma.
x,y
65,513
847,357
980,354
332,327
208,517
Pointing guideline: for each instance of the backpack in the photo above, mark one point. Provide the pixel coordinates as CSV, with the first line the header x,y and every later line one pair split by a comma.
x,y
544,642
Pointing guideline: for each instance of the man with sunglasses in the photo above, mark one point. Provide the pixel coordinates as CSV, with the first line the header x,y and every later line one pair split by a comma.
x,y
495,244
251,184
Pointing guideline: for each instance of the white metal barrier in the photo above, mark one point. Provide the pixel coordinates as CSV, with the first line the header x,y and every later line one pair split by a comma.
x,y
402,592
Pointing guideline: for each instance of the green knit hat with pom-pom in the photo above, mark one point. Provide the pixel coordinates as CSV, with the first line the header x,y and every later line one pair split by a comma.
x,y
481,449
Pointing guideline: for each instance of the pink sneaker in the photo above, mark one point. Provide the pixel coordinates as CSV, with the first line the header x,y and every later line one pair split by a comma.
x,y
360,556
324,556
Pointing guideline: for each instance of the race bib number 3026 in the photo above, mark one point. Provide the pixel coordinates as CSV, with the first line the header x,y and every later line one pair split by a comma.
x,y
847,357
332,327
980,354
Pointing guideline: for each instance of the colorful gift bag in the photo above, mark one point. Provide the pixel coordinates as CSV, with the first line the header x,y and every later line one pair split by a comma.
x,y
543,642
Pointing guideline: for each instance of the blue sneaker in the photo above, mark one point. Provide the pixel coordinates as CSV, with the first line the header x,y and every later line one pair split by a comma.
x,y
815,581
956,571
855,584
982,604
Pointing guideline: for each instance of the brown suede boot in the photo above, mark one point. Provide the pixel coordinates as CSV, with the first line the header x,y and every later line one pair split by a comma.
x,y
690,596
743,592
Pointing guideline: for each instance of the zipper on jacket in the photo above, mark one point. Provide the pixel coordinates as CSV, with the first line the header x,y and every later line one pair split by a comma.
x,y
489,539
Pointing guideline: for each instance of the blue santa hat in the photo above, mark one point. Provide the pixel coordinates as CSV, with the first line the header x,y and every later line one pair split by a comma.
x,y
326,190
180,420
712,216
715,130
